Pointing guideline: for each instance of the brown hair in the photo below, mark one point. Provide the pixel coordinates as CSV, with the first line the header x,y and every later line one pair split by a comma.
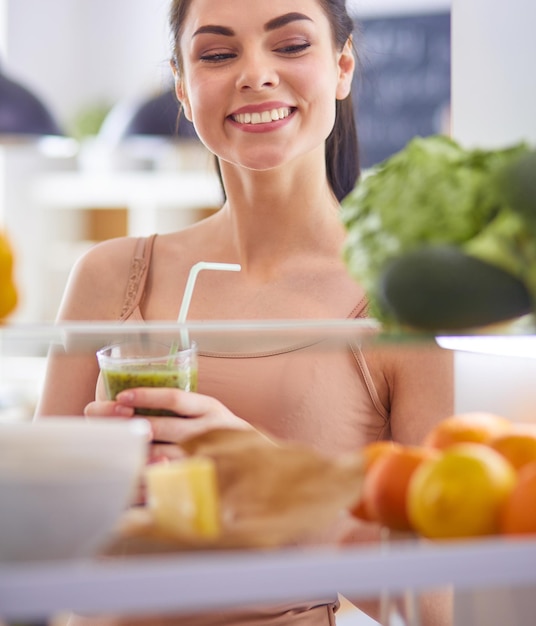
x,y
342,150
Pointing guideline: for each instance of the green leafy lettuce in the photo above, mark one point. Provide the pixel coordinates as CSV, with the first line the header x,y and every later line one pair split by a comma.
x,y
434,192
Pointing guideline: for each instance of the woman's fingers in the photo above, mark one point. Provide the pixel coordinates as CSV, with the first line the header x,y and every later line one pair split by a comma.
x,y
178,429
184,403
195,412
107,408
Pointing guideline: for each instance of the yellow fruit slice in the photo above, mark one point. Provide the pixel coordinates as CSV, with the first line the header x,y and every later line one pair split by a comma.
x,y
460,493
183,497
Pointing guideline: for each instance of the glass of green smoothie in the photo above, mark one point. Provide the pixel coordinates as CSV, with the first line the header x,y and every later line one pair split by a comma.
x,y
147,363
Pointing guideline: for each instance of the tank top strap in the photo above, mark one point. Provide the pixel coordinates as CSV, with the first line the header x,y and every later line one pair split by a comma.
x,y
361,311
137,277
369,383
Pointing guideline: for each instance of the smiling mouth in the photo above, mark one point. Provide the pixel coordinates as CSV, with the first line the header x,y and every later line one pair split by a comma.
x,y
262,118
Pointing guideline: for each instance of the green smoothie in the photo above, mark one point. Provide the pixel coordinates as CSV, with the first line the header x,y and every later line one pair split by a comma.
x,y
145,363
157,375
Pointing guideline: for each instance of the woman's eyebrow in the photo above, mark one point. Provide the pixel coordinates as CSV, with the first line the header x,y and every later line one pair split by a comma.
x,y
283,20
214,30
273,24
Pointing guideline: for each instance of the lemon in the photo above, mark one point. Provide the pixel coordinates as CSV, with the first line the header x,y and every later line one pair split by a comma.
x,y
8,293
460,493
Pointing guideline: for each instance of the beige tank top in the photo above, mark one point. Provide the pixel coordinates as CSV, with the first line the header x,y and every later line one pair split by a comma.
x,y
323,398
326,399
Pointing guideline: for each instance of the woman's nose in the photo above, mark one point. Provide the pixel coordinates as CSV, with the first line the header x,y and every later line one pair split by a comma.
x,y
257,72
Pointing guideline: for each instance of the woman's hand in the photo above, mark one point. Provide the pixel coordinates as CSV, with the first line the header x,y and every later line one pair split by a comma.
x,y
198,414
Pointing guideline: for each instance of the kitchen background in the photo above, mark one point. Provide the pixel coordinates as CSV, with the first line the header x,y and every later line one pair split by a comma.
x,y
94,62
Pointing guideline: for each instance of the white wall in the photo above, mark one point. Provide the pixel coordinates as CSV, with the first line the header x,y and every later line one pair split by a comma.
x,y
500,384
493,79
78,52
371,8
3,28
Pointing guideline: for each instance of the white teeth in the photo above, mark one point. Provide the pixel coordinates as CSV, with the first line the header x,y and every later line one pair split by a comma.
x,y
262,118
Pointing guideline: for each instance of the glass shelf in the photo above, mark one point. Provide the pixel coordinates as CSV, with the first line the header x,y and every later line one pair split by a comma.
x,y
36,339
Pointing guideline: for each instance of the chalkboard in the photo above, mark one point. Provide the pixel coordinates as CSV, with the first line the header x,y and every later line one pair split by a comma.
x,y
402,84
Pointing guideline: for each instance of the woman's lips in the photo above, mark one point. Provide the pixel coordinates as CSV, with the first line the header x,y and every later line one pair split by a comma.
x,y
262,117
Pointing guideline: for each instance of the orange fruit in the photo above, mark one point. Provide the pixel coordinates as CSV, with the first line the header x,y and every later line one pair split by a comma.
x,y
518,513
385,485
371,453
477,427
460,493
518,446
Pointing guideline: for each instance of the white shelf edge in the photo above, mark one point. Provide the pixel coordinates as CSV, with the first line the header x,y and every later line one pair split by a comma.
x,y
190,581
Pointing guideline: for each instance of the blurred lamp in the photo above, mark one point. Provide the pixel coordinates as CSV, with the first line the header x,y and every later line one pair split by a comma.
x,y
160,115
22,113
156,117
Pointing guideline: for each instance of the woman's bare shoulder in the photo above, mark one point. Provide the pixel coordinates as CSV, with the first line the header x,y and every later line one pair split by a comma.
x,y
98,280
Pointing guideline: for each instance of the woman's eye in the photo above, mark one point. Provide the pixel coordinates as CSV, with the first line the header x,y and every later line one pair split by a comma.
x,y
216,57
295,48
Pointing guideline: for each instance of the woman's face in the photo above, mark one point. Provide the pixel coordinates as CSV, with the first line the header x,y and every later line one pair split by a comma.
x,y
260,78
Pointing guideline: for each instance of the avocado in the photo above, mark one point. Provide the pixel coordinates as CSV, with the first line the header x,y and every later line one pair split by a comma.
x,y
441,287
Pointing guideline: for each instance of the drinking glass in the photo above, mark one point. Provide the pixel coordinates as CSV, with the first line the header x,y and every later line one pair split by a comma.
x,y
147,363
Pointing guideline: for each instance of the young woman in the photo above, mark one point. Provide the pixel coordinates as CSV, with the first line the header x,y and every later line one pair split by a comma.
x,y
267,87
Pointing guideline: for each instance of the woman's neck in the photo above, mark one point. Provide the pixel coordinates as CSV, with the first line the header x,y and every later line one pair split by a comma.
x,y
277,213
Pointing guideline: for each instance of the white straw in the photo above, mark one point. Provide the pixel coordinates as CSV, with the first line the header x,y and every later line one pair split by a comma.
x,y
189,289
